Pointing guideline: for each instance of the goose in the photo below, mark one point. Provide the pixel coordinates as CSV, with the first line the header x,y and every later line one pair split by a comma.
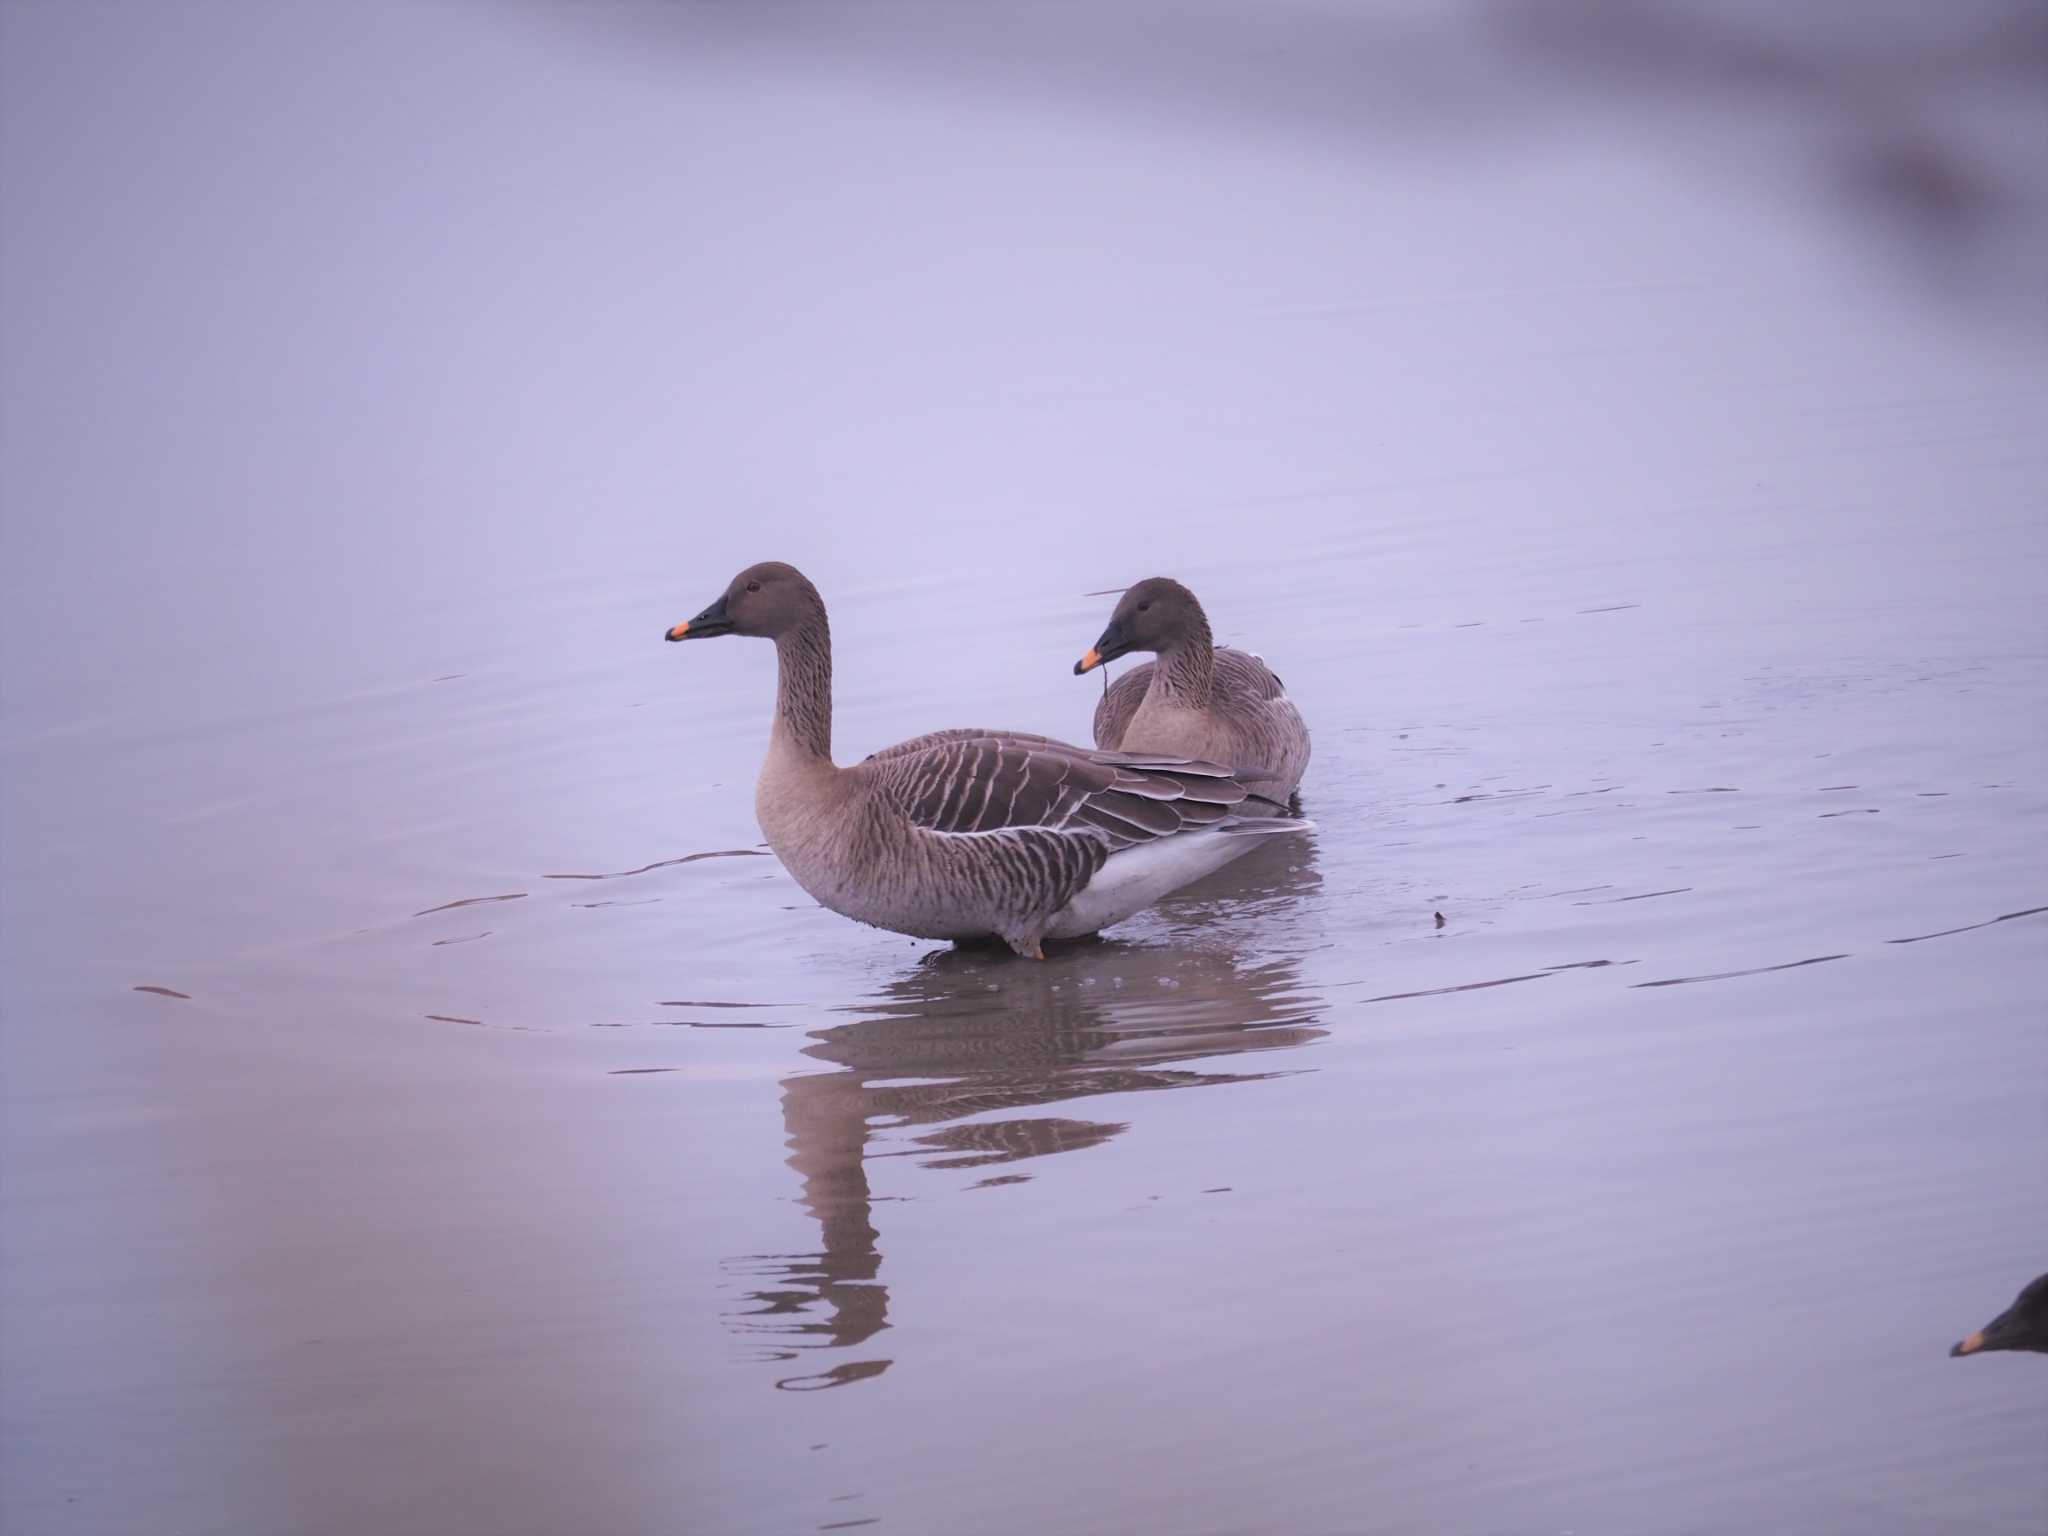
x,y
2023,1325
968,834
1197,700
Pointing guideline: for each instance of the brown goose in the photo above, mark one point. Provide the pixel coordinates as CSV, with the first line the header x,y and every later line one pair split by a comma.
x,y
2023,1325
1197,700
964,834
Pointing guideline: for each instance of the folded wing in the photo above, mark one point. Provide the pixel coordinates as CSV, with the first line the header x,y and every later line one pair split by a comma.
x,y
978,783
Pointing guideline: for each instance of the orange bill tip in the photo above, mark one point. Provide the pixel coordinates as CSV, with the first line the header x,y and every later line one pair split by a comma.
x,y
1972,1344
1090,661
679,631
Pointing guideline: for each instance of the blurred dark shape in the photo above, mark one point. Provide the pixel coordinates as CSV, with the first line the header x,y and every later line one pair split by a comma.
x,y
1845,45
1928,123
1922,183
1893,98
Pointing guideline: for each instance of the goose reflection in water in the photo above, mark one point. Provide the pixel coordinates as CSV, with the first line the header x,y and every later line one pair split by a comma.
x,y
965,1040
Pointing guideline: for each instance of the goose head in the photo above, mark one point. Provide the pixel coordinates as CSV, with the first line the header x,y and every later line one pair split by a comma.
x,y
1155,615
2023,1325
768,600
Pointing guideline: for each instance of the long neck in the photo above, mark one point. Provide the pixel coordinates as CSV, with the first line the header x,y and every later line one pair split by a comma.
x,y
803,689
1187,668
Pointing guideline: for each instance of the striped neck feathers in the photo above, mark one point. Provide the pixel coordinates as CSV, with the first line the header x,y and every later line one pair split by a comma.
x,y
803,688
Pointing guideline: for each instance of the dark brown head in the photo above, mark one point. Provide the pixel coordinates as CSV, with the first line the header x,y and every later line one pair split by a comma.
x,y
1155,615
768,599
2023,1325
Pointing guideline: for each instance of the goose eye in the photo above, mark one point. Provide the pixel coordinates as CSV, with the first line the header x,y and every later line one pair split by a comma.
x,y
753,586
1142,607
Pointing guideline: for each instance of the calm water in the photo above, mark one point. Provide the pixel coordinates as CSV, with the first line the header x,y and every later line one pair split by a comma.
x,y
428,1108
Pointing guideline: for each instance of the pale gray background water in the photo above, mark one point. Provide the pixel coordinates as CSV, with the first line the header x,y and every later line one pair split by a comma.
x,y
1625,437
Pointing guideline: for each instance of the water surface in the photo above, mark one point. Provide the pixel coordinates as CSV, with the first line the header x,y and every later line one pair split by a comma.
x,y
428,1108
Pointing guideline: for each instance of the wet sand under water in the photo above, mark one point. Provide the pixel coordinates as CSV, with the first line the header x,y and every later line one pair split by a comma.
x,y
428,1108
